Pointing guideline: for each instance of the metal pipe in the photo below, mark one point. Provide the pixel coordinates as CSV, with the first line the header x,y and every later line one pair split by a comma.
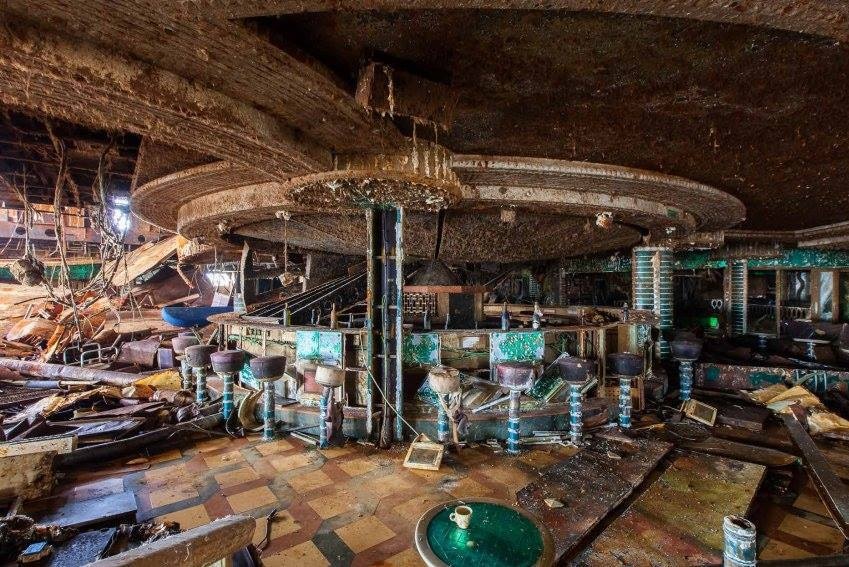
x,y
228,401
185,373
201,395
268,432
493,403
740,542
686,376
513,423
69,373
576,424
442,419
625,402
323,404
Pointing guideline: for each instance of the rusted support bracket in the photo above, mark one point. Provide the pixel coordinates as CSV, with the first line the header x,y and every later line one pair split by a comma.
x,y
830,488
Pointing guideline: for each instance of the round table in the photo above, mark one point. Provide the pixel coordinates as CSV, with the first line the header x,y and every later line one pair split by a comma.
x,y
499,535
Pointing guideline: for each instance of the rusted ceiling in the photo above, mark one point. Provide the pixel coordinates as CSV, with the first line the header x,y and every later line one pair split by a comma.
x,y
757,112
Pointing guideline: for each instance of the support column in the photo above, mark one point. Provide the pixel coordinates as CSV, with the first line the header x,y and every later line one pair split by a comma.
x,y
651,276
385,299
739,282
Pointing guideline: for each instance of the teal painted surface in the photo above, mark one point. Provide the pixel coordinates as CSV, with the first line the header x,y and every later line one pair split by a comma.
x,y
497,535
421,349
319,346
79,272
597,265
516,346
735,377
805,258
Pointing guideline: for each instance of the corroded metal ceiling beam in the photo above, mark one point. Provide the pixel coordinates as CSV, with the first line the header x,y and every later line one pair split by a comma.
x,y
817,17
220,55
81,83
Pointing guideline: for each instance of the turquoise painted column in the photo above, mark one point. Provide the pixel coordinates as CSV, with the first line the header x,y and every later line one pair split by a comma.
x,y
685,373
625,402
740,542
268,430
576,418
442,430
323,405
651,277
739,280
513,423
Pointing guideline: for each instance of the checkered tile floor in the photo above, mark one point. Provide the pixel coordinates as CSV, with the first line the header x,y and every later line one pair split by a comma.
x,y
353,505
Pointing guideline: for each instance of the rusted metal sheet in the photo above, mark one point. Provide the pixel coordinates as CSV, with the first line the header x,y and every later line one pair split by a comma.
x,y
678,520
737,377
590,484
70,373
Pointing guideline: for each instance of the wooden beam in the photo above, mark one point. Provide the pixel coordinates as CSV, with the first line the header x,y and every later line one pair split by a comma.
x,y
60,444
197,547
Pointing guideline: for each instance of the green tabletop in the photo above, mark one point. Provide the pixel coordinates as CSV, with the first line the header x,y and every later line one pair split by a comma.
x,y
498,535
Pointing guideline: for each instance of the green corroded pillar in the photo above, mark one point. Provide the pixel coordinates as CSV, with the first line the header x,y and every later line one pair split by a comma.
x,y
651,277
738,286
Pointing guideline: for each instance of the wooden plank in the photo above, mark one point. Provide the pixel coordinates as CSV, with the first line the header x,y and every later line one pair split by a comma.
x,y
26,476
79,514
141,260
61,444
678,519
590,484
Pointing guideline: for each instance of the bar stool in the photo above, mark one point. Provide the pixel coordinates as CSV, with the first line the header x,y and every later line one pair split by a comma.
x,y
443,380
328,377
516,377
576,371
686,352
267,369
226,364
180,343
626,366
197,357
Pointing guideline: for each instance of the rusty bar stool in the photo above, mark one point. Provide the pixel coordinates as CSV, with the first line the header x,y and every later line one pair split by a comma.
x,y
226,364
444,381
576,371
328,377
627,366
198,359
686,352
180,343
267,369
516,377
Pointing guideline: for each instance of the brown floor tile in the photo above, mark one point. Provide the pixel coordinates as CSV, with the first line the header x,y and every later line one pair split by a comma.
x,y
407,558
364,533
250,499
538,459
165,456
389,484
302,555
467,488
213,444
333,504
775,549
413,508
334,452
292,462
282,525
172,493
811,503
309,481
357,467
273,447
188,518
223,459
814,532
168,474
236,477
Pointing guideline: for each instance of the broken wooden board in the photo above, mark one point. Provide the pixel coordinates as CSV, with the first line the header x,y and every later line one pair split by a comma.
x,y
28,476
741,451
140,261
745,416
678,519
590,484
79,514
61,444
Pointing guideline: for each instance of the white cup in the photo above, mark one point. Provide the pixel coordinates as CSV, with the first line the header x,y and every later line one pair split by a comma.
x,y
461,516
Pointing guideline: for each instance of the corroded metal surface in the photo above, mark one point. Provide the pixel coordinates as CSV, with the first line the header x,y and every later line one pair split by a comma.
x,y
678,520
590,484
